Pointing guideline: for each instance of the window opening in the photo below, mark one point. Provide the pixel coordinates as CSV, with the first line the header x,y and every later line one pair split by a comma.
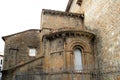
x,y
1,61
32,52
78,59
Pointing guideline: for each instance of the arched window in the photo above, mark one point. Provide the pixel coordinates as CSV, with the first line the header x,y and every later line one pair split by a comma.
x,y
78,59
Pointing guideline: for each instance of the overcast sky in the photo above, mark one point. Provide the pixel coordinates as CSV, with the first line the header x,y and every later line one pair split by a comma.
x,y
21,15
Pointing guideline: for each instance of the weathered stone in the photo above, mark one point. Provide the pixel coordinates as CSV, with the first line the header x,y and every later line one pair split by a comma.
x,y
89,25
103,16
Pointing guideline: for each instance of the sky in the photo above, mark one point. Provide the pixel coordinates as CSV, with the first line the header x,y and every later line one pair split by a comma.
x,y
21,15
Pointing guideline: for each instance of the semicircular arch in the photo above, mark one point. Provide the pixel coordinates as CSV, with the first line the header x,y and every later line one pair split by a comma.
x,y
82,44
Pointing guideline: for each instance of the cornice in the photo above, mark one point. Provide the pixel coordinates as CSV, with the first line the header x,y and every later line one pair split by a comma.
x,y
69,33
60,13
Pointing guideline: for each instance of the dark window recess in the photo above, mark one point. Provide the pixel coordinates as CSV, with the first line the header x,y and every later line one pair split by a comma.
x,y
79,2
15,49
1,61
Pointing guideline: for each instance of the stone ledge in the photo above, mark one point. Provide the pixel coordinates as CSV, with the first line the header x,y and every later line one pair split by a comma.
x,y
67,33
53,12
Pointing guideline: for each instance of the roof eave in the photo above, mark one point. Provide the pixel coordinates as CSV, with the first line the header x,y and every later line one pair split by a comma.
x,y
5,37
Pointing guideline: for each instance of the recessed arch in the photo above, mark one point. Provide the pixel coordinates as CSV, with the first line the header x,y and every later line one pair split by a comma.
x,y
85,47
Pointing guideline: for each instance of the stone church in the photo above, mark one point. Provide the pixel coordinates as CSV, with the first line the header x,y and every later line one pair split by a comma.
x,y
81,43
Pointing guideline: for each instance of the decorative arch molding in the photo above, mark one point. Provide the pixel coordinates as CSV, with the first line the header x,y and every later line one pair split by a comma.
x,y
86,48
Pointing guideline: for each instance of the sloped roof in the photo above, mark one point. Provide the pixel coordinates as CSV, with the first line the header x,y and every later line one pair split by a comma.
x,y
5,37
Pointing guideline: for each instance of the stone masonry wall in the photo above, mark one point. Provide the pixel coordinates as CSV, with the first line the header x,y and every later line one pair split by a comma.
x,y
103,18
74,7
59,51
17,47
56,19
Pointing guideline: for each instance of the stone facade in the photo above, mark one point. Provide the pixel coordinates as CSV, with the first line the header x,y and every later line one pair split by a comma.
x,y
103,18
90,26
17,48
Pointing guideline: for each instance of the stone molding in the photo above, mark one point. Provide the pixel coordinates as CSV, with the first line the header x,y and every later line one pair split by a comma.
x,y
60,13
68,33
85,47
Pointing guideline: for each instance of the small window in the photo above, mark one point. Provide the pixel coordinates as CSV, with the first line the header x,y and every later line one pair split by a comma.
x,y
32,52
